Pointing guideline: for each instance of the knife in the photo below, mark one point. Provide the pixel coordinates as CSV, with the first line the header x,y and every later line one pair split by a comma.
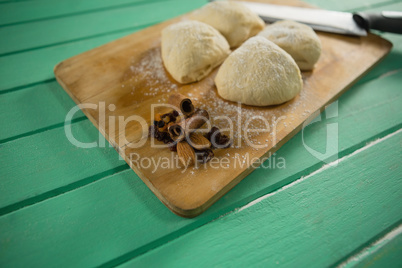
x,y
331,21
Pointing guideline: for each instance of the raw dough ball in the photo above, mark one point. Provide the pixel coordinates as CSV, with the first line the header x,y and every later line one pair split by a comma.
x,y
233,20
191,49
259,73
299,40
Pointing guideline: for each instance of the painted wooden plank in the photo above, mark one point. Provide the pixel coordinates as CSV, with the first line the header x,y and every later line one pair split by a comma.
x,y
36,108
39,63
313,223
33,72
390,64
28,11
35,166
37,34
13,1
366,102
383,252
373,110
150,206
97,223
365,106
393,61
79,76
350,5
386,6
40,33
49,95
117,209
388,256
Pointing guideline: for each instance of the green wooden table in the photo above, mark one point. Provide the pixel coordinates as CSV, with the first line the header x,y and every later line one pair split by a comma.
x,y
65,206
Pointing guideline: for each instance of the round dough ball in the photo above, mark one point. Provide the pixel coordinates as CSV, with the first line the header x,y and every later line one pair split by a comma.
x,y
192,49
233,20
259,73
299,40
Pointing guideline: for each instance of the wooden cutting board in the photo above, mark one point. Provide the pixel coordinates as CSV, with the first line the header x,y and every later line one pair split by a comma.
x,y
125,77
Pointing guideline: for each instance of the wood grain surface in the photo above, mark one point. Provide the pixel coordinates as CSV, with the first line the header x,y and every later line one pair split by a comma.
x,y
129,74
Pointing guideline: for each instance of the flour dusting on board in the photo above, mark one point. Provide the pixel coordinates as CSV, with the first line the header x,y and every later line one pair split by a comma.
x,y
251,128
147,77
250,123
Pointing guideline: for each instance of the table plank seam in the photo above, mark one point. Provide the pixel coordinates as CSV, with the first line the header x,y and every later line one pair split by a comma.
x,y
66,29
237,205
13,89
90,36
289,179
40,130
375,5
133,28
83,12
34,83
323,168
81,118
13,1
212,235
310,171
61,190
364,79
375,244
368,108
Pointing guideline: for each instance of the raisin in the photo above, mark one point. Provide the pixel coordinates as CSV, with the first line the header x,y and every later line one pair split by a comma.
x,y
164,135
204,156
223,142
167,139
161,124
158,137
173,147
212,133
172,118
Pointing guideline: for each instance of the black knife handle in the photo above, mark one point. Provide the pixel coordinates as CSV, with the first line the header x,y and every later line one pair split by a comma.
x,y
386,21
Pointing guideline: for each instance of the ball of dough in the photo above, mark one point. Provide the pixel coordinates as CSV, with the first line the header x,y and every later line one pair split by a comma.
x,y
233,20
259,73
191,49
299,40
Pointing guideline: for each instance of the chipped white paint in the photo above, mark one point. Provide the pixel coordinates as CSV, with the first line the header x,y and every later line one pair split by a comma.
x,y
389,73
323,168
355,259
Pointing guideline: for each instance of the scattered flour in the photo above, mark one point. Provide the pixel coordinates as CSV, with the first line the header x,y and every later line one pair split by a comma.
x,y
147,77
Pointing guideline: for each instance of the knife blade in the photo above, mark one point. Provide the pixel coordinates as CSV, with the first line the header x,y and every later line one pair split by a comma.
x,y
330,21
